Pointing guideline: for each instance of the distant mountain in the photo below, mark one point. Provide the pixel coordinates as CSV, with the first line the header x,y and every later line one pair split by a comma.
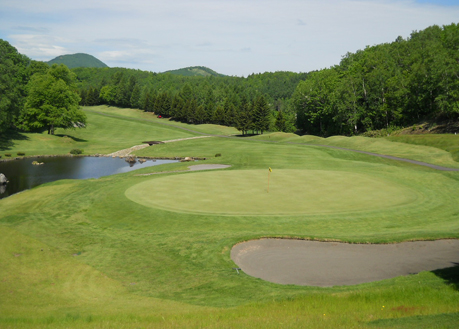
x,y
193,71
77,60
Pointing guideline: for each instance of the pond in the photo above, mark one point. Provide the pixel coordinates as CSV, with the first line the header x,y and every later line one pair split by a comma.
x,y
23,175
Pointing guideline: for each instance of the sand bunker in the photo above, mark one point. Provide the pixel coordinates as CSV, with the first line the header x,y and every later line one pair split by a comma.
x,y
326,264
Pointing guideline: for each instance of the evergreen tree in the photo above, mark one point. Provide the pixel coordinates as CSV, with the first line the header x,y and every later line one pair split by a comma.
x,y
135,97
209,106
219,115
244,117
280,123
260,115
200,115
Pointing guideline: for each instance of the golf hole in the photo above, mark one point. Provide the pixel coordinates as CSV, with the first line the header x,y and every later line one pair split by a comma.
x,y
324,264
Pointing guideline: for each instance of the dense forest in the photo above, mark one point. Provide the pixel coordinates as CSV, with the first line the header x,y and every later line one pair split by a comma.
x,y
380,87
393,84
231,101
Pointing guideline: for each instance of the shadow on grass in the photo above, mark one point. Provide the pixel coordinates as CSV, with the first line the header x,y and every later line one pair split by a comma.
x,y
8,137
246,135
76,139
450,274
443,321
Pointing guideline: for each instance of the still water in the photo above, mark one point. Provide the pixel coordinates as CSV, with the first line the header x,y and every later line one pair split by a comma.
x,y
22,175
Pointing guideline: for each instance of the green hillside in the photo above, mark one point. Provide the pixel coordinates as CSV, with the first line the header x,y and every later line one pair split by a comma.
x,y
194,71
78,60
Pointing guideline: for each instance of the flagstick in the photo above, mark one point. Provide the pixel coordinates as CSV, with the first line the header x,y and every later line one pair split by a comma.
x,y
269,175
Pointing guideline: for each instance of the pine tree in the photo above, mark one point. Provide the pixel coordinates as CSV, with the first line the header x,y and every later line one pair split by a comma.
x,y
135,97
244,117
260,115
280,122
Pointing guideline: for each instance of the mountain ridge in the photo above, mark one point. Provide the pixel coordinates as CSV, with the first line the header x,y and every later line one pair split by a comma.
x,y
195,71
78,60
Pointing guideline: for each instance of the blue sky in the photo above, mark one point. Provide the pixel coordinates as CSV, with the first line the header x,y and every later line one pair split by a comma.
x,y
233,37
440,2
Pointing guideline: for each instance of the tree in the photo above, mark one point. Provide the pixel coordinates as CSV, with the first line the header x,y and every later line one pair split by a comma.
x,y
209,105
260,114
107,94
135,97
280,122
200,115
13,77
52,102
244,116
314,100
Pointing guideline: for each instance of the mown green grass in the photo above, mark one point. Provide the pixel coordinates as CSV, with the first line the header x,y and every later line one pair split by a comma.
x,y
150,116
103,134
291,192
108,261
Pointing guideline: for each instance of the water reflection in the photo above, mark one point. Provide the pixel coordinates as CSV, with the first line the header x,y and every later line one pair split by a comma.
x,y
23,175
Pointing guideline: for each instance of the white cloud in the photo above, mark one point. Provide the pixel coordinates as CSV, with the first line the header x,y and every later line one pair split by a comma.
x,y
39,47
235,37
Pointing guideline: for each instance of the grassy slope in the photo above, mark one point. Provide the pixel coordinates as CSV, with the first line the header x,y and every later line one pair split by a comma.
x,y
446,142
103,134
441,150
108,262
149,116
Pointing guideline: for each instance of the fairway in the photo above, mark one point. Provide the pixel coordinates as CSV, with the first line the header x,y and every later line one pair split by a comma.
x,y
245,192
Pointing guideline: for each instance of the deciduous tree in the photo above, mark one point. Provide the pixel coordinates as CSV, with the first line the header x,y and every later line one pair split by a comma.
x,y
52,102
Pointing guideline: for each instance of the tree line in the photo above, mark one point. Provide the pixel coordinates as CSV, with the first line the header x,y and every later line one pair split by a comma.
x,y
393,84
231,101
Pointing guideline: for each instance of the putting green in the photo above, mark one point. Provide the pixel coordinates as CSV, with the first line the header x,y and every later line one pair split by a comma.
x,y
244,192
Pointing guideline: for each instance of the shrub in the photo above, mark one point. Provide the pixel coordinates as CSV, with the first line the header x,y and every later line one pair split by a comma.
x,y
218,155
7,154
76,151
21,153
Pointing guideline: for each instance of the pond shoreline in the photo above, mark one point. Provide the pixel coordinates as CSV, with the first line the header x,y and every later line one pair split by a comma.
x,y
26,172
96,156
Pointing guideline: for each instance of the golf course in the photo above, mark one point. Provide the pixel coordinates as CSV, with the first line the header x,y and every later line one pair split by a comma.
x,y
159,247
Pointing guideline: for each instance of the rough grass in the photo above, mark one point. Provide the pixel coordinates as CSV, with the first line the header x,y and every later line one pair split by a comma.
x,y
442,150
446,142
109,262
